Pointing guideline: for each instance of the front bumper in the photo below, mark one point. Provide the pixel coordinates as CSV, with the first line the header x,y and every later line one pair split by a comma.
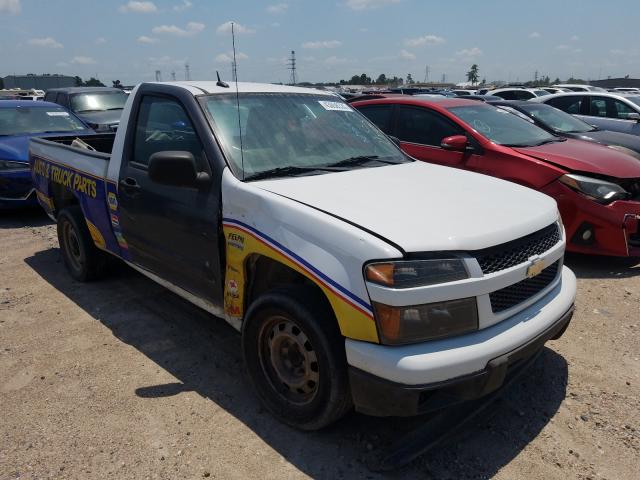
x,y
16,190
412,379
614,228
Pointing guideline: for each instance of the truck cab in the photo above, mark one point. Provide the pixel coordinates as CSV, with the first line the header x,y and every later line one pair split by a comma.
x,y
356,276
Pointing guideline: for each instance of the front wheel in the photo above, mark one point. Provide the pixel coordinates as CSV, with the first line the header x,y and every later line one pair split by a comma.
x,y
295,357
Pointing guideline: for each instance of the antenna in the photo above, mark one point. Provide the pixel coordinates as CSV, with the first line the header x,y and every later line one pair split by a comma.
x,y
292,67
235,64
220,83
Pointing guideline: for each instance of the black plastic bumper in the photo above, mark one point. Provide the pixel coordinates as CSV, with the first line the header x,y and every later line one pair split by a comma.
x,y
376,396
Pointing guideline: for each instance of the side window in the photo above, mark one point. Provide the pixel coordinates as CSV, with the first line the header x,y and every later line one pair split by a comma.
x,y
622,110
568,104
523,95
50,97
507,95
380,115
418,125
61,99
163,125
598,107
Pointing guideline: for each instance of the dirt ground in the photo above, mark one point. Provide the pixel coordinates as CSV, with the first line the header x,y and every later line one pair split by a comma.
x,y
122,379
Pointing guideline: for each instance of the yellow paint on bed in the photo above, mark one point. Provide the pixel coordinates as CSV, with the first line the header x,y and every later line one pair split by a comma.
x,y
240,244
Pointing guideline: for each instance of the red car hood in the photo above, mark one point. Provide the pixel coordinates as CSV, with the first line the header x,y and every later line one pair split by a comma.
x,y
579,156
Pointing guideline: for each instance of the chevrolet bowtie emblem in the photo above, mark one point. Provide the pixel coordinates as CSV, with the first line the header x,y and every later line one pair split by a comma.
x,y
535,268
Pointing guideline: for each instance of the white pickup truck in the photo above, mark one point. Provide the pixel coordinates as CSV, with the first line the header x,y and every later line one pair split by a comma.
x,y
356,275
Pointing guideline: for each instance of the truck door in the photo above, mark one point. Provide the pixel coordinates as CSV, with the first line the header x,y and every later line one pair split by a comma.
x,y
171,231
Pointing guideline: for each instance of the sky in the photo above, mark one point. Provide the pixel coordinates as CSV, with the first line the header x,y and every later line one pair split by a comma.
x,y
509,40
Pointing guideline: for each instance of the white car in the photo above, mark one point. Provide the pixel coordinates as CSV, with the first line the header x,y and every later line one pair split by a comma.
x,y
605,110
554,90
356,275
576,87
463,92
626,90
518,93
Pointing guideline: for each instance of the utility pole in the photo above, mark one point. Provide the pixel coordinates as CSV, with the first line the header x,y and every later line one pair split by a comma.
x,y
173,75
158,76
444,78
292,66
187,74
426,74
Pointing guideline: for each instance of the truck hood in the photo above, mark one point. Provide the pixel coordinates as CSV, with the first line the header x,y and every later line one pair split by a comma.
x,y
108,118
579,156
423,207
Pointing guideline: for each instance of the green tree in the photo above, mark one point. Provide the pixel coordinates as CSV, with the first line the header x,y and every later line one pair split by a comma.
x,y
382,79
409,79
472,75
78,81
116,83
1,83
94,82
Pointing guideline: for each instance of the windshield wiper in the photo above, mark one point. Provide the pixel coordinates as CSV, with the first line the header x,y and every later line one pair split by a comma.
x,y
361,160
286,172
90,110
115,108
551,140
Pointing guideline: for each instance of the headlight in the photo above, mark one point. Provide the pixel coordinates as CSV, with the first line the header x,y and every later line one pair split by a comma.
x,y
416,273
598,190
8,165
419,323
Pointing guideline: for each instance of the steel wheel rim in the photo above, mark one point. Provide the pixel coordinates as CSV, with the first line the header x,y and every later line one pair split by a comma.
x,y
289,360
72,246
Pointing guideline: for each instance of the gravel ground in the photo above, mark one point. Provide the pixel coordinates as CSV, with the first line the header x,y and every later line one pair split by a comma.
x,y
122,379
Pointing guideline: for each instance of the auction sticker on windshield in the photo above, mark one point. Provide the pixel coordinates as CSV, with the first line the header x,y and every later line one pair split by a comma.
x,y
342,107
58,114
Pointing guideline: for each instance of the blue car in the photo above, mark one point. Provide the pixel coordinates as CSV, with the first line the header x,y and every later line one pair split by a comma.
x,y
19,121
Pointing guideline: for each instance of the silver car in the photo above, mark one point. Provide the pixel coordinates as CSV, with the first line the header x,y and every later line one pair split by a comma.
x,y
607,111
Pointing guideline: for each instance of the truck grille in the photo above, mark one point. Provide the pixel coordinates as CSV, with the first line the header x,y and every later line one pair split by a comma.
x,y
513,253
512,295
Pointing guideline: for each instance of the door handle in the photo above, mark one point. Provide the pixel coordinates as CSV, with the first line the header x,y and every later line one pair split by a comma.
x,y
130,185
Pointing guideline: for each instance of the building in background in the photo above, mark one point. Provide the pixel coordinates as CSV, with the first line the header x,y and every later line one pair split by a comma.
x,y
38,82
617,83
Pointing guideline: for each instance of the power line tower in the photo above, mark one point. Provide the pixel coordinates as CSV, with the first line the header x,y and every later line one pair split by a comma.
x,y
292,66
187,73
444,78
426,74
173,75
535,77
158,76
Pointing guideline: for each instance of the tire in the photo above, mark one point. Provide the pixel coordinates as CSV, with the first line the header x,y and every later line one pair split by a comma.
x,y
295,358
84,261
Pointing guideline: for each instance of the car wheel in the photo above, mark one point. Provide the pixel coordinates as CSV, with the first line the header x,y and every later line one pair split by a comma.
x,y
84,261
295,358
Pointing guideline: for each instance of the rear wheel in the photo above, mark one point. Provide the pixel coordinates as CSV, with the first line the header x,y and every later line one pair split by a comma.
x,y
295,358
83,259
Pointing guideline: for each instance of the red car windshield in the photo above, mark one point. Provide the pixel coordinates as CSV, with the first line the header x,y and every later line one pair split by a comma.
x,y
502,127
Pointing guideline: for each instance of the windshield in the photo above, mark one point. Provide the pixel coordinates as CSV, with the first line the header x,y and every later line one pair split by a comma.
x,y
541,93
98,101
28,120
296,131
557,119
634,99
502,127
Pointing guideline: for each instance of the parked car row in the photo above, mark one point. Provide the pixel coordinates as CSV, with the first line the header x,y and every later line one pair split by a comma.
x,y
597,188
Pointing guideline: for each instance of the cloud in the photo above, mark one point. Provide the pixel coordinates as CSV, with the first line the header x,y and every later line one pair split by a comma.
x,y
322,44
46,42
101,41
10,6
166,61
185,5
237,28
333,60
275,25
534,35
368,4
228,57
469,52
424,40
192,28
277,8
80,60
138,7
575,38
407,55
147,40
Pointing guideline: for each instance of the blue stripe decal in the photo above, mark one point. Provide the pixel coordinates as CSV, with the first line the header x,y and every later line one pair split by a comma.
x,y
299,259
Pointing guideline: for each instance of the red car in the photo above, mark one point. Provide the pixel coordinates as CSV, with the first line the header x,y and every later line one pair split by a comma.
x,y
597,188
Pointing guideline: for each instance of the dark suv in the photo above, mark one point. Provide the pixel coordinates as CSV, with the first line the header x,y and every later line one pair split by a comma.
x,y
99,107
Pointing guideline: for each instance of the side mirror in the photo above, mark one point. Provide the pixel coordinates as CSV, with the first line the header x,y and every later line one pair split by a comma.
x,y
633,116
458,143
395,140
175,168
